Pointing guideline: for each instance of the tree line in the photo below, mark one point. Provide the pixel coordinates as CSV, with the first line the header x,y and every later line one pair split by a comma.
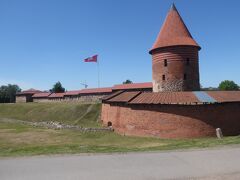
x,y
226,85
8,93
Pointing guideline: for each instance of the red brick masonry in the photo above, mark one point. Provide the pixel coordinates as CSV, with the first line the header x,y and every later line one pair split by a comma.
x,y
163,119
173,121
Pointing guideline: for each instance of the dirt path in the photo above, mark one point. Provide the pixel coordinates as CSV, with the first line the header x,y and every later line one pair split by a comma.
x,y
88,111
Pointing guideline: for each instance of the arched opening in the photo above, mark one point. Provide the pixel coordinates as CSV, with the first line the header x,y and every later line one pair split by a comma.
x,y
109,124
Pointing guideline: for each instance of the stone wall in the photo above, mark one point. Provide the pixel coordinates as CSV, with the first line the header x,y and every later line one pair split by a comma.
x,y
91,98
180,60
24,98
21,99
71,98
41,100
82,98
173,121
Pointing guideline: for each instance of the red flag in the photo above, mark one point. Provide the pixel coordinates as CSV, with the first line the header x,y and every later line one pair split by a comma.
x,y
91,59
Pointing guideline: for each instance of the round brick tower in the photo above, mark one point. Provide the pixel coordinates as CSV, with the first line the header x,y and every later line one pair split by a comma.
x,y
175,64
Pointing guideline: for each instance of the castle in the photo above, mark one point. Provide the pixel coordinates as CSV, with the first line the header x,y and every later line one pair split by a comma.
x,y
176,108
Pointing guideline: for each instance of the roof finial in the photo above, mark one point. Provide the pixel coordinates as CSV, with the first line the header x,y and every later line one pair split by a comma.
x,y
173,7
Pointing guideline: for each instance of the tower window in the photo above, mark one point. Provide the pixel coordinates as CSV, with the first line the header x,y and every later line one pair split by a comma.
x,y
185,76
165,62
188,62
163,77
109,123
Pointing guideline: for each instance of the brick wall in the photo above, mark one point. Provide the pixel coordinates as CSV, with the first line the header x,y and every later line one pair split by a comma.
x,y
83,98
175,69
173,121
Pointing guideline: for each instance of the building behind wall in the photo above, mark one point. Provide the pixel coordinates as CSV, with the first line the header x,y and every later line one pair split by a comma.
x,y
83,95
41,97
26,96
146,87
94,95
56,97
72,95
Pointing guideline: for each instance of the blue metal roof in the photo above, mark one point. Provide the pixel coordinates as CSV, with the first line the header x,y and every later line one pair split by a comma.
x,y
204,97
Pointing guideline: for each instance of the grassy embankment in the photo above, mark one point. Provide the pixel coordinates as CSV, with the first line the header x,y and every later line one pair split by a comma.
x,y
85,115
17,139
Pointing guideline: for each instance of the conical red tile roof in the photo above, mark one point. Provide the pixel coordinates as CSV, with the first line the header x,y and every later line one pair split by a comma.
x,y
174,32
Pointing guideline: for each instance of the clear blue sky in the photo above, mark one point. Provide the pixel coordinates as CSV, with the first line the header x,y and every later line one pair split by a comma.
x,y
45,41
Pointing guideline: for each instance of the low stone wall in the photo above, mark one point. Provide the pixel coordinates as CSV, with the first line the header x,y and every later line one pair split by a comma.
x,y
24,98
21,99
91,98
57,125
173,121
41,100
85,98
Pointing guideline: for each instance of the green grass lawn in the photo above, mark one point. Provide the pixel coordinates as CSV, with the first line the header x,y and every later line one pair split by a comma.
x,y
18,139
85,115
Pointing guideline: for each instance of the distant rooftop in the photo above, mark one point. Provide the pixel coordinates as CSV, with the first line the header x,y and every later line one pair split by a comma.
x,y
41,95
96,90
133,86
29,91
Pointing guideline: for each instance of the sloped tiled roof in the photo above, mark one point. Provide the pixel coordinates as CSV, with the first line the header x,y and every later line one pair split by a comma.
x,y
186,97
125,97
29,91
72,93
133,86
225,96
165,98
110,96
96,90
41,95
174,32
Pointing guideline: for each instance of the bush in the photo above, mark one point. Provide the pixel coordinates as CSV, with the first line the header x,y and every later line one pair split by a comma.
x,y
228,86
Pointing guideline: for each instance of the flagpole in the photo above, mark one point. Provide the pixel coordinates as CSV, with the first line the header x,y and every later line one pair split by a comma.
x,y
98,74
95,60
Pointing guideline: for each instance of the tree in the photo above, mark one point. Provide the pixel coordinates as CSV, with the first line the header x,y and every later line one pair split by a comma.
x,y
228,86
57,88
127,82
8,93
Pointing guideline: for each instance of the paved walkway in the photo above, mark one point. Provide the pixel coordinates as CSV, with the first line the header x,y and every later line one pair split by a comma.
x,y
221,163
